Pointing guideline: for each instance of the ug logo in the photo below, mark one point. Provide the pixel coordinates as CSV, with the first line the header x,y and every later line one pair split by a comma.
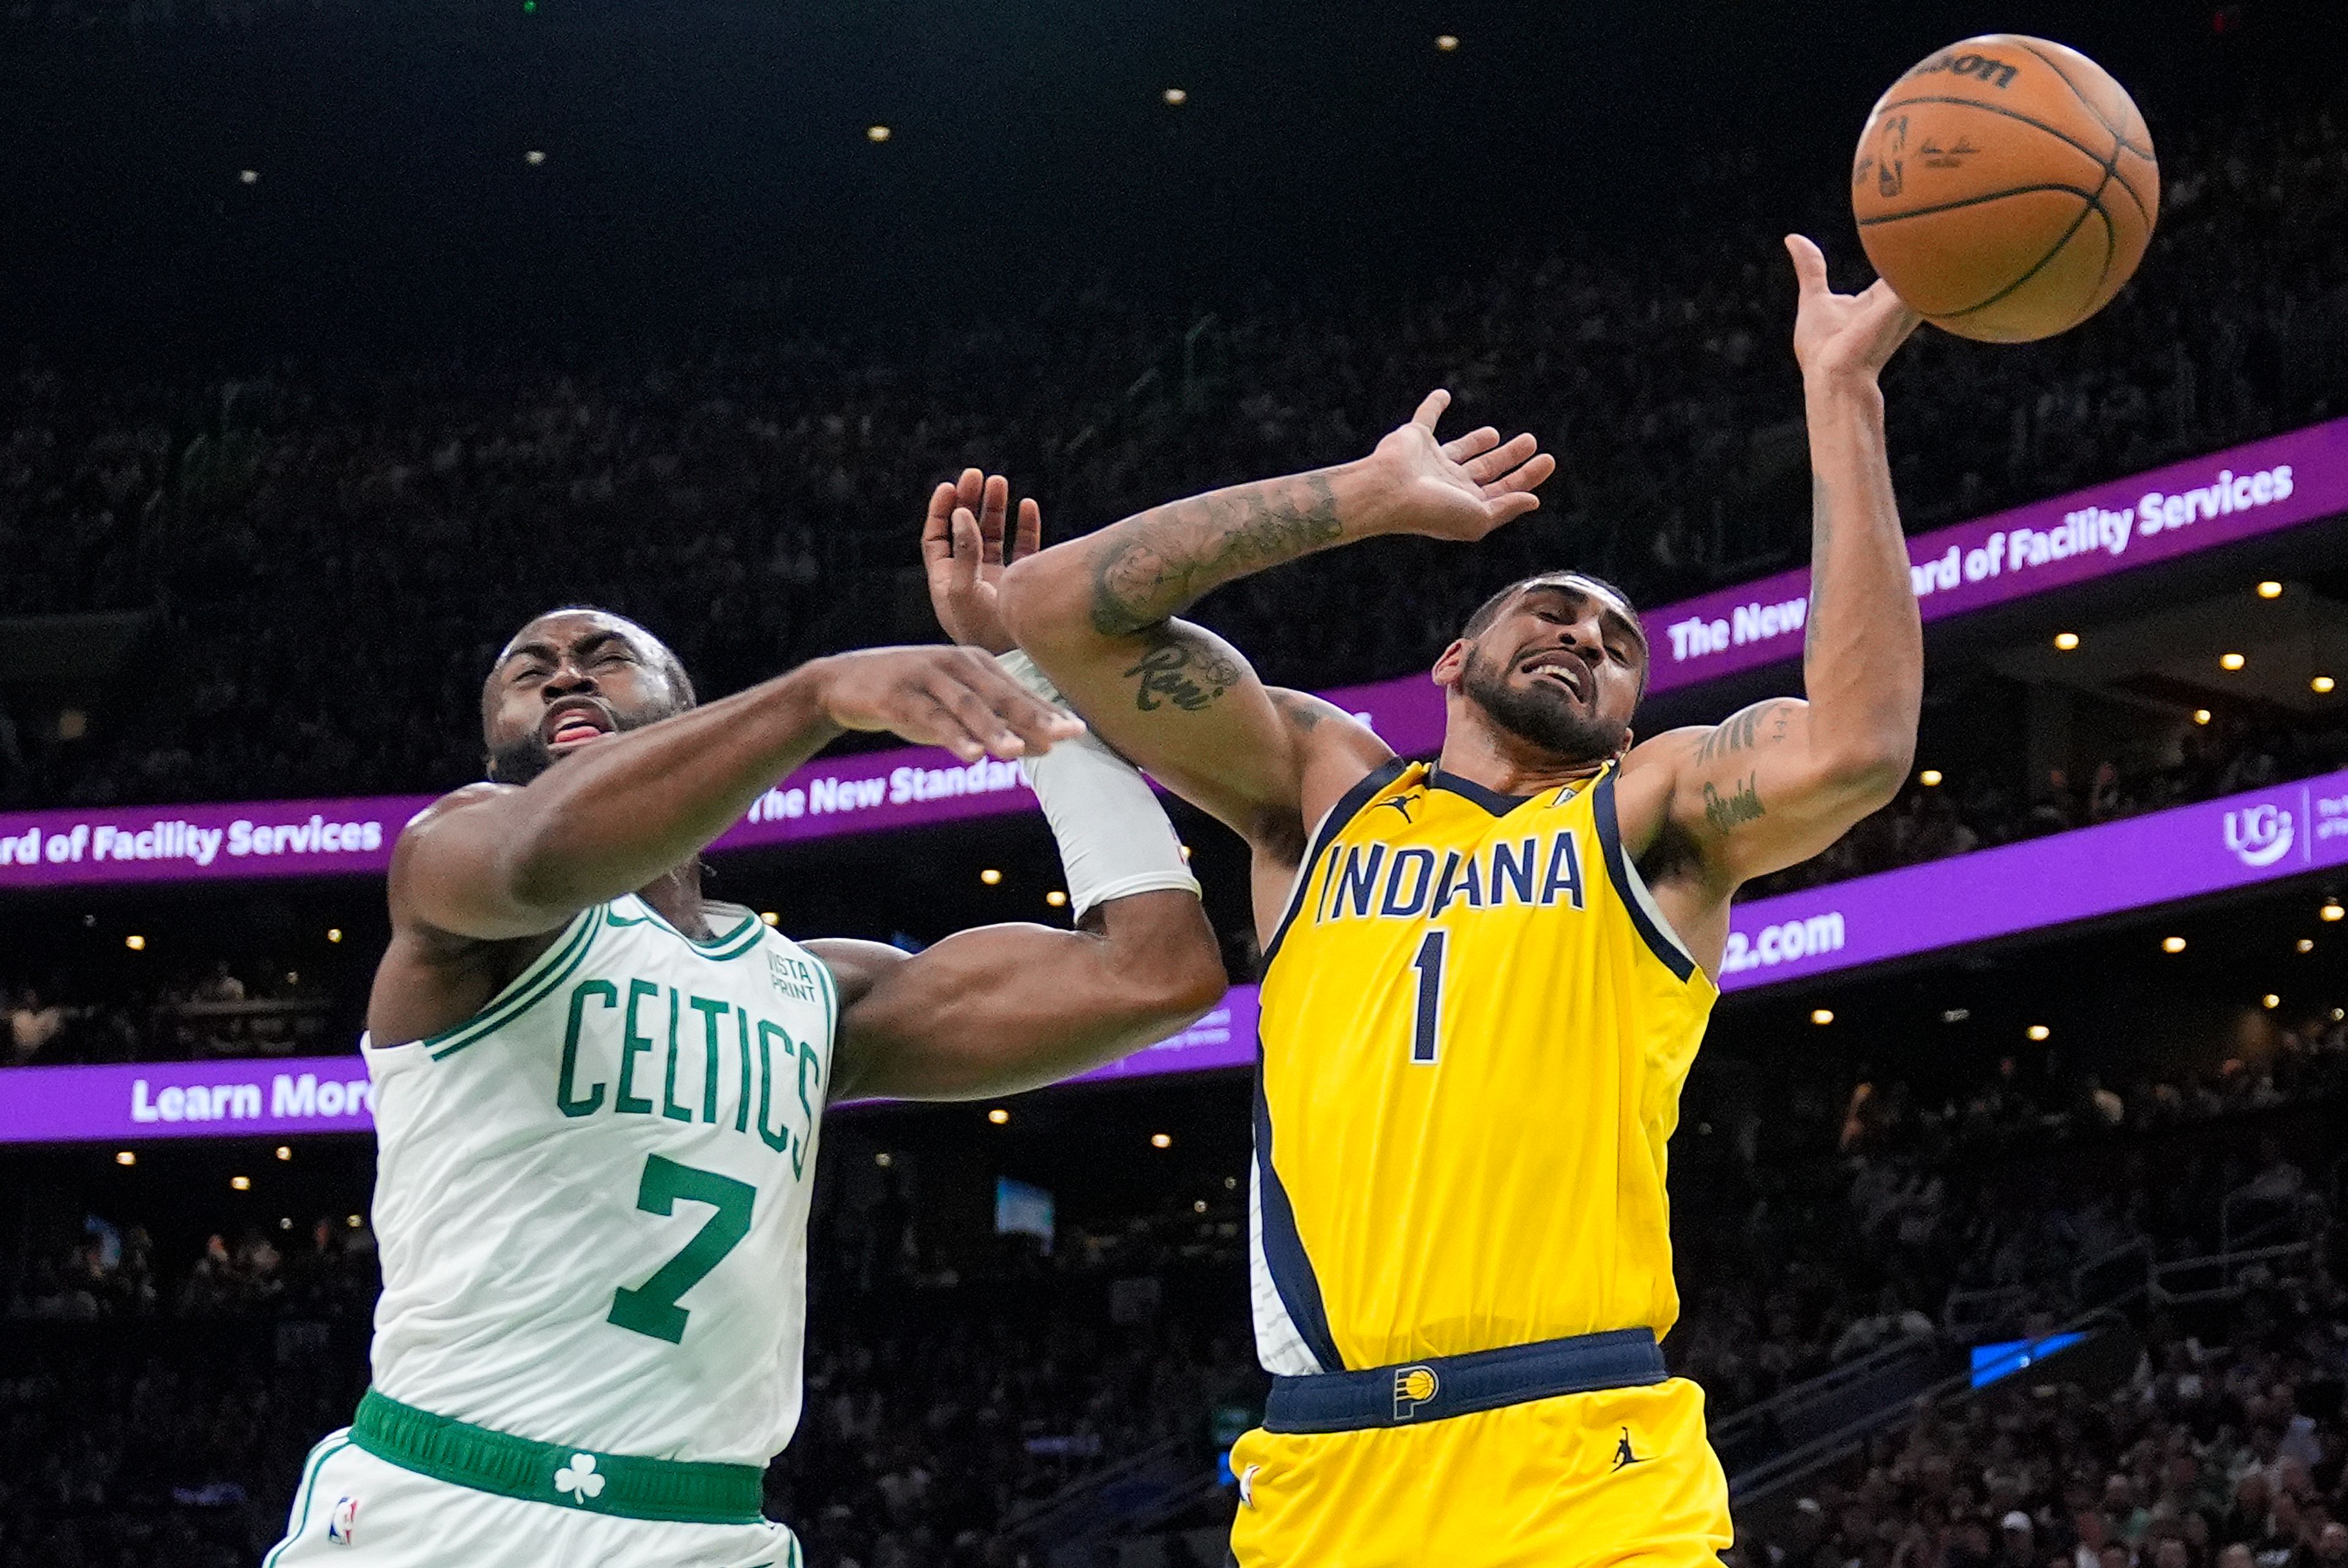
x,y
2259,835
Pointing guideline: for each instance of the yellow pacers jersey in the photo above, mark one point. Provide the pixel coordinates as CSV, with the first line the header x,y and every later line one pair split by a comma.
x,y
1475,1024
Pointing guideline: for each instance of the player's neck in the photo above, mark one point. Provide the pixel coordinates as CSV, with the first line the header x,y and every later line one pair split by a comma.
x,y
1501,762
675,895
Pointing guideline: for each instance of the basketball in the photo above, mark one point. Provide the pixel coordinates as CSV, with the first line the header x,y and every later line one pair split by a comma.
x,y
2006,188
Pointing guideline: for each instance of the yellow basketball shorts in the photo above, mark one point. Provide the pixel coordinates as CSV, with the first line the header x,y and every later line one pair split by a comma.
x,y
1581,1481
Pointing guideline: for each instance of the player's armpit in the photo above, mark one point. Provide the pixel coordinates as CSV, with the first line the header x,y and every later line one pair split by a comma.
x,y
1006,1007
1760,790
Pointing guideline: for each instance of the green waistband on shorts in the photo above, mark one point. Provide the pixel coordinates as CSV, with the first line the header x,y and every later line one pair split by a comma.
x,y
557,1474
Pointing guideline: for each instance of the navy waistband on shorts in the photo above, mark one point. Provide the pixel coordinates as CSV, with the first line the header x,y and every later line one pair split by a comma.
x,y
1410,1392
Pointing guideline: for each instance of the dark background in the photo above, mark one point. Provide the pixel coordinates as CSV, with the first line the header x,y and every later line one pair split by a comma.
x,y
706,161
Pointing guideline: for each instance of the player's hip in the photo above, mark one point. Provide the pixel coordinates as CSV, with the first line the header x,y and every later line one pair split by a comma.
x,y
1613,1475
409,1497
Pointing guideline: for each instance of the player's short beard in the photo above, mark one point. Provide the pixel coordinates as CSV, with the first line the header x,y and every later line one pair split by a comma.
x,y
525,756
1535,715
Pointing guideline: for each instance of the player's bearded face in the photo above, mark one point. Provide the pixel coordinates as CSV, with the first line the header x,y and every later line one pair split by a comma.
x,y
520,755
1538,710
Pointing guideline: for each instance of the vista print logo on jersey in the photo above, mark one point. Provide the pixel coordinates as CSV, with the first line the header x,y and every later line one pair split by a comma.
x,y
2259,835
579,1480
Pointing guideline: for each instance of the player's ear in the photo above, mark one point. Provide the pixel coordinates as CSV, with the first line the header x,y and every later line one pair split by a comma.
x,y
1450,664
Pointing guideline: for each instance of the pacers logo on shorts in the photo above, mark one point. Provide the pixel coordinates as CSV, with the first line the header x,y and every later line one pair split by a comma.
x,y
1414,1386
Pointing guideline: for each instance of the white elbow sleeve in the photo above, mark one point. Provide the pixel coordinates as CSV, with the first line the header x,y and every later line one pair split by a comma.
x,y
1114,837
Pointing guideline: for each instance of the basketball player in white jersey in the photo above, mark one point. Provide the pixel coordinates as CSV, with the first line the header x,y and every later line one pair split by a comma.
x,y
597,1094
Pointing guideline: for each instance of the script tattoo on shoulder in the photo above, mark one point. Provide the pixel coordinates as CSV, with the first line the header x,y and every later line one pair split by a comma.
x,y
1165,558
1764,723
1740,804
1181,669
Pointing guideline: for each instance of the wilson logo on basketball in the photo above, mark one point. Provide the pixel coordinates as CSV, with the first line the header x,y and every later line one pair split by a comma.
x,y
1996,73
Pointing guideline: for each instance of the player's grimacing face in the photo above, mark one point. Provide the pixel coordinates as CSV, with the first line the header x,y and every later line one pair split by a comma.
x,y
567,681
1560,669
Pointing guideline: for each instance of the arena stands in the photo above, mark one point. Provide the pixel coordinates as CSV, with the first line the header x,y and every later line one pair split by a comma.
x,y
325,552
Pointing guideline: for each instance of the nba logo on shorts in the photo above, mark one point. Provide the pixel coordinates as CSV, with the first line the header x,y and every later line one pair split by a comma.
x,y
344,1522
1414,1386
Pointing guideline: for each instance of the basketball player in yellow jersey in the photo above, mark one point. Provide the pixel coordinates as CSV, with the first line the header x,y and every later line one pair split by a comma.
x,y
1484,975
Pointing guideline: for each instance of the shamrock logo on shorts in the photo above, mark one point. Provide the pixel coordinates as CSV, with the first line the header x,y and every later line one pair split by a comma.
x,y
579,1479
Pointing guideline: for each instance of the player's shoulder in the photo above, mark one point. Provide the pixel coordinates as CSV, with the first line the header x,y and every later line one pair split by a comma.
x,y
465,798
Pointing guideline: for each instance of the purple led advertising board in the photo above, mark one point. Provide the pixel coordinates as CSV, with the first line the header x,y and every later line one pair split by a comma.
x,y
2198,505
2233,495
2181,852
254,1099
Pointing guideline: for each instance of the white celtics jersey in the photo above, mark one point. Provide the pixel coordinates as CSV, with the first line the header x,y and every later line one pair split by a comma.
x,y
591,1198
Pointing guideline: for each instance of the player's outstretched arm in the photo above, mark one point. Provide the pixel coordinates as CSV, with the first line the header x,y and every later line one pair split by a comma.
x,y
1005,1008
1097,614
492,862
1780,781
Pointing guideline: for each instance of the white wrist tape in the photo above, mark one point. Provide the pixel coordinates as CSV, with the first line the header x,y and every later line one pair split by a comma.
x,y
1114,837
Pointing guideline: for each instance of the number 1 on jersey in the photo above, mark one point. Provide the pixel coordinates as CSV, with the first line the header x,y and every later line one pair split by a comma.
x,y
1430,965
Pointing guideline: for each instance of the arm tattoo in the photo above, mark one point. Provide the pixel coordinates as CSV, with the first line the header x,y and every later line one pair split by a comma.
x,y
1821,535
1162,560
1182,669
1302,715
1741,804
1764,723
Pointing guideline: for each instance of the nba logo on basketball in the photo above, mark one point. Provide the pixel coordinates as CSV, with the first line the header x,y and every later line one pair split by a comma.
x,y
1414,1386
342,1524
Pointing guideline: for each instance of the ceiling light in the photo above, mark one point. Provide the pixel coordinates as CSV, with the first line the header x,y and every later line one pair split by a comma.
x,y
2038,1031
1822,1016
876,133
1930,778
1956,1015
1232,1184
285,1222
352,1221
989,877
2307,944
1446,42
2200,715
2322,685
1176,97
2270,589
1198,1206
999,1116
125,1158
2230,661
2067,641
2332,909
135,942
248,177
1057,899
2270,1001
241,1184
884,1159
334,933
770,917
2172,944
284,1153
533,157
1161,1139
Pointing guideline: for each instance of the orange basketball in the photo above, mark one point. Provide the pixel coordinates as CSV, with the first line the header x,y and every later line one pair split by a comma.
x,y
2006,188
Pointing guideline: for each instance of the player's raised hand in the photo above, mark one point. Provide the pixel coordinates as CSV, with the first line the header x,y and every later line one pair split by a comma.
x,y
957,697
1462,489
1844,335
963,552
